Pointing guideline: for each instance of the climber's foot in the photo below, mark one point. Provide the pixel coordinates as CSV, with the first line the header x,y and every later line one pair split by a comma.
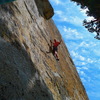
x,y
57,59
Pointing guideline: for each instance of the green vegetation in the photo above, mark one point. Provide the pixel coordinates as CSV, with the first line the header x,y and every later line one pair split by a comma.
x,y
5,1
93,7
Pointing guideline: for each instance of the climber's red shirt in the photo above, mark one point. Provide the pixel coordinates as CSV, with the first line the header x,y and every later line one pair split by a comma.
x,y
55,44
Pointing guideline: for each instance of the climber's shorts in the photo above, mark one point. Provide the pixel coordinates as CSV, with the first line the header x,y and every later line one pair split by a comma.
x,y
54,49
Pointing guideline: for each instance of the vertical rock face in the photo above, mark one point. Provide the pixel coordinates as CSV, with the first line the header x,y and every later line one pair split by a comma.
x,y
27,71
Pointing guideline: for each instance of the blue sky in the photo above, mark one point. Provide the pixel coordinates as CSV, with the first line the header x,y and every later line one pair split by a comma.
x,y
83,47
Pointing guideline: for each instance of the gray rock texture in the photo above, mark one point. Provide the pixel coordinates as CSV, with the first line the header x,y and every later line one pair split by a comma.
x,y
28,69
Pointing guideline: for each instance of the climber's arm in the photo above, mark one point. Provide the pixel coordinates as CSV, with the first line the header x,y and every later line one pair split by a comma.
x,y
60,41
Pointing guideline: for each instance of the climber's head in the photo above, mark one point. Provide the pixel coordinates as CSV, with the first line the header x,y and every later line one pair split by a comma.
x,y
55,40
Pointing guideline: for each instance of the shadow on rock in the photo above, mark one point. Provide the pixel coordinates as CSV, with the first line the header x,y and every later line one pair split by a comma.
x,y
19,78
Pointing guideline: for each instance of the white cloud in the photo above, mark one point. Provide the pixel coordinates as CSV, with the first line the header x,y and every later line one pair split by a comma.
x,y
81,73
71,33
61,16
84,51
94,94
77,56
57,2
90,18
83,63
85,68
83,11
76,20
84,44
79,63
84,15
84,77
59,12
83,80
97,53
68,14
89,60
64,16
80,58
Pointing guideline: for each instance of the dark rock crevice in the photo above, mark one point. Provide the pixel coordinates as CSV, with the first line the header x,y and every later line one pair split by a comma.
x,y
15,81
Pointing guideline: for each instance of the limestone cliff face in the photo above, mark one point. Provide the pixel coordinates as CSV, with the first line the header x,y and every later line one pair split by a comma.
x,y
27,71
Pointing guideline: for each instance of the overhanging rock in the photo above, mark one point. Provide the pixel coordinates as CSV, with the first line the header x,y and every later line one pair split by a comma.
x,y
45,9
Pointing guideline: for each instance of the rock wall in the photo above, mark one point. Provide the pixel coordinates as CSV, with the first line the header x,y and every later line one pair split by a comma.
x,y
28,70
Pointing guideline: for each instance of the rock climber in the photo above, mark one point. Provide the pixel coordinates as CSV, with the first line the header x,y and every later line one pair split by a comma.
x,y
55,45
